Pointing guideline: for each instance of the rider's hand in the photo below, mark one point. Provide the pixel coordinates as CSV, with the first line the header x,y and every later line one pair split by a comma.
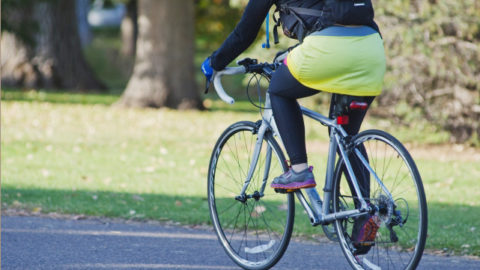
x,y
208,71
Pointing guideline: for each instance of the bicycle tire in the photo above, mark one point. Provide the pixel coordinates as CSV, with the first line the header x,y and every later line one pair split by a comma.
x,y
400,239
263,224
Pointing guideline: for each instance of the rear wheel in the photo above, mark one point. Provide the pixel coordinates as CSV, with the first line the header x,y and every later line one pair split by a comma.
x,y
402,221
254,228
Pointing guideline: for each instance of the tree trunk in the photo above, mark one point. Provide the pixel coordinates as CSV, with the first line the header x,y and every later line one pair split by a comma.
x,y
61,43
56,59
163,75
17,45
129,29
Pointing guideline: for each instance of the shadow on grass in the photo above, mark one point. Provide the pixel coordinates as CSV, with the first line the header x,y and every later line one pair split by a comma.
x,y
453,228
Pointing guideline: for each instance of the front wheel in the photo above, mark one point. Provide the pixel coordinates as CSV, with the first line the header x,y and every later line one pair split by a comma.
x,y
401,219
255,227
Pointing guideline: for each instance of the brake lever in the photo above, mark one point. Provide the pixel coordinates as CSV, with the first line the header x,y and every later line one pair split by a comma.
x,y
209,82
207,86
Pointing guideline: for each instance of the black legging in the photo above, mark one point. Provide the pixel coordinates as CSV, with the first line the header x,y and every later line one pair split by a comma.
x,y
284,91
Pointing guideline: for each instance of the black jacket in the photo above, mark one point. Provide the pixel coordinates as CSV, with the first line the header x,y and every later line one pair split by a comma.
x,y
245,33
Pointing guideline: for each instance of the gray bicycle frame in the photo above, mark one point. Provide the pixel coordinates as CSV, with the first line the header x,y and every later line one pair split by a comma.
x,y
321,213
318,212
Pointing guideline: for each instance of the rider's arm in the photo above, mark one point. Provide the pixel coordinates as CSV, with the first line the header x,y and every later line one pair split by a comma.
x,y
243,35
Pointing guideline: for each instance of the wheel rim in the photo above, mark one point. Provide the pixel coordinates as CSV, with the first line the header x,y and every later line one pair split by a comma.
x,y
252,228
403,218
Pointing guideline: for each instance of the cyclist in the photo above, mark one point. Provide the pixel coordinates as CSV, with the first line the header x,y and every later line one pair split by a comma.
x,y
340,59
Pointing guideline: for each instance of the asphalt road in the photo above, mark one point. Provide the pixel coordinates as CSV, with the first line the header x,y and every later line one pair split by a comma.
x,y
48,243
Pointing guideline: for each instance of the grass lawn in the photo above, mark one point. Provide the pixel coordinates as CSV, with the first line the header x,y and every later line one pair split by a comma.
x,y
76,154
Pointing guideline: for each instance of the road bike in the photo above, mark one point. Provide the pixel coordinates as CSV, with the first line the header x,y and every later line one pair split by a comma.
x,y
254,222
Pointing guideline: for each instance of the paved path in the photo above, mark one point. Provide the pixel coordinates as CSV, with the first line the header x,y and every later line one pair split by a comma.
x,y
46,243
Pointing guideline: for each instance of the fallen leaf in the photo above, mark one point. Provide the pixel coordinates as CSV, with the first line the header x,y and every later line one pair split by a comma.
x,y
138,198
260,209
149,169
107,181
79,217
16,203
45,173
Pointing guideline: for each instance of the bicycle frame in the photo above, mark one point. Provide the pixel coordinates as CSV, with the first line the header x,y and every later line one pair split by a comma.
x,y
318,212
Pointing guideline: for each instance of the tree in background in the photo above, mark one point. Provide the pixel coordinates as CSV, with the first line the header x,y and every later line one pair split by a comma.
x,y
129,29
214,20
41,46
163,74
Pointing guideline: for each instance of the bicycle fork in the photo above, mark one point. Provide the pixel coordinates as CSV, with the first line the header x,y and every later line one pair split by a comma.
x,y
262,129
266,124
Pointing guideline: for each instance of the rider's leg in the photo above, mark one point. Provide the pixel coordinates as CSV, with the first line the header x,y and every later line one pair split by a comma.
x,y
365,227
284,91
352,128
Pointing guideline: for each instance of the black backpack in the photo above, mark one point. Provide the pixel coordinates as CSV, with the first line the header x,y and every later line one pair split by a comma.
x,y
299,18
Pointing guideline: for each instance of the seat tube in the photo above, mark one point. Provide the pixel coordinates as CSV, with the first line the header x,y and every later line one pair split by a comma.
x,y
332,155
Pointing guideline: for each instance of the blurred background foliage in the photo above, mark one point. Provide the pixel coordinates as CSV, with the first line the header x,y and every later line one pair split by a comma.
x,y
433,50
214,17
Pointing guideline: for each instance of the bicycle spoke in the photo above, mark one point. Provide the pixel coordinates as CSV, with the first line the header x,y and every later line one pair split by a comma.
x,y
241,171
227,208
398,174
252,227
227,189
230,173
235,225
